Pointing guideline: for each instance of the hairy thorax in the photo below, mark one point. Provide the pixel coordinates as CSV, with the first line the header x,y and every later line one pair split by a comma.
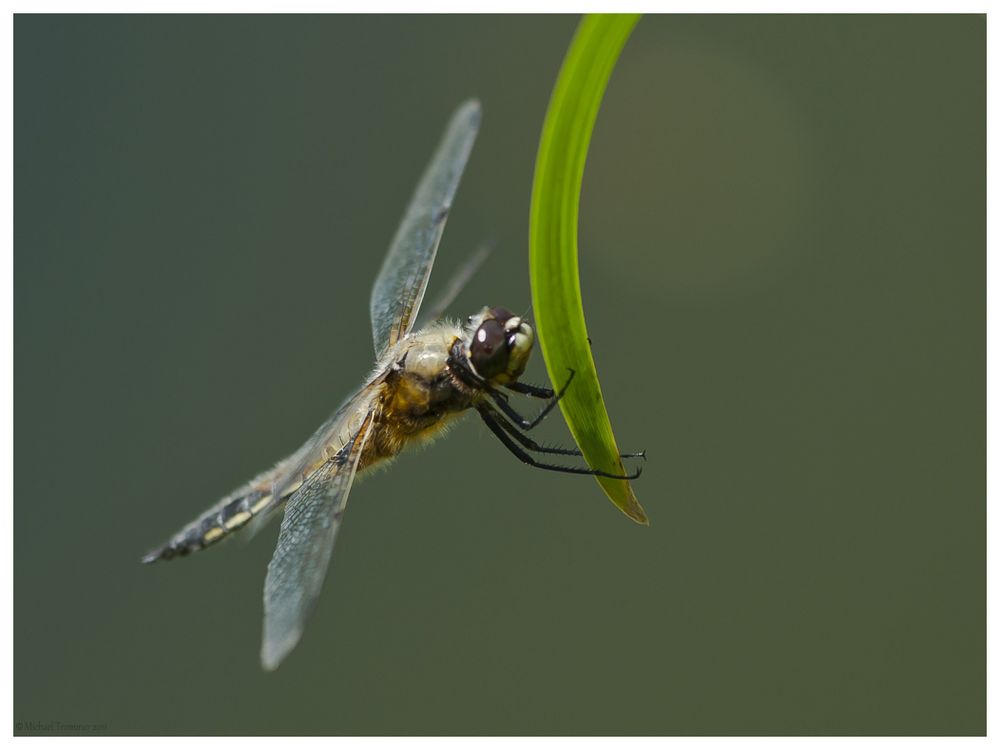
x,y
420,395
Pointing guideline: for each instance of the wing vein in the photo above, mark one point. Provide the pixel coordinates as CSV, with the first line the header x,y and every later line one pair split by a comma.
x,y
298,568
399,288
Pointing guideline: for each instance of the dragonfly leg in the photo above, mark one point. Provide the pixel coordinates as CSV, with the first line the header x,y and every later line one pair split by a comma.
x,y
520,421
534,391
531,445
494,422
527,442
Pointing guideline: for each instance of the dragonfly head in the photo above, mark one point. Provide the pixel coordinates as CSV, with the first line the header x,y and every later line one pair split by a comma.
x,y
499,345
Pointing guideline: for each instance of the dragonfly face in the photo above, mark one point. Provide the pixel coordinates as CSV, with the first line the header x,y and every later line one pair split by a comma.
x,y
500,345
422,380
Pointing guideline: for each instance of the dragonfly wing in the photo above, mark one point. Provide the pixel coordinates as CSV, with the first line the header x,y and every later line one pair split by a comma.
x,y
402,281
328,440
296,572
455,286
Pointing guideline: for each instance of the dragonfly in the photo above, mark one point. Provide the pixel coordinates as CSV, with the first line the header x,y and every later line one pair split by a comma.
x,y
422,381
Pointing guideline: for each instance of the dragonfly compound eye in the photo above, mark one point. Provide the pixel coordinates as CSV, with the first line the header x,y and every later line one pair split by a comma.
x,y
489,351
501,315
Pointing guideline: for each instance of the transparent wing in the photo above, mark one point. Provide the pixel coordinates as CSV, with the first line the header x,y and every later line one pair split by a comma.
x,y
296,572
328,440
455,286
399,288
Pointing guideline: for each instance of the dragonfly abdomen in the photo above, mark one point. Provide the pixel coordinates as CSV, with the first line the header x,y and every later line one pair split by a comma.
x,y
230,514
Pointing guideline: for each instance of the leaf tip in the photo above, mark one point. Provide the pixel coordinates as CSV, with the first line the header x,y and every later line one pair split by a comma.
x,y
621,494
635,511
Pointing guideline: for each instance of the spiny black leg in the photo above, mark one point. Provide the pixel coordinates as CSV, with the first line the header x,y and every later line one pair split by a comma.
x,y
531,390
540,392
527,442
553,401
525,457
501,401
520,421
638,454
531,445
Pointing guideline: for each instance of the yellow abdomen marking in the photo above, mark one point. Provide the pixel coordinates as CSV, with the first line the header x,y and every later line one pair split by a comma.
x,y
238,520
212,534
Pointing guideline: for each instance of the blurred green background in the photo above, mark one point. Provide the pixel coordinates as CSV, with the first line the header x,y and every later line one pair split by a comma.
x,y
782,257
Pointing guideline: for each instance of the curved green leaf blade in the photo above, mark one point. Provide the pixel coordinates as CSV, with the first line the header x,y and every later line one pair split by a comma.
x,y
555,281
